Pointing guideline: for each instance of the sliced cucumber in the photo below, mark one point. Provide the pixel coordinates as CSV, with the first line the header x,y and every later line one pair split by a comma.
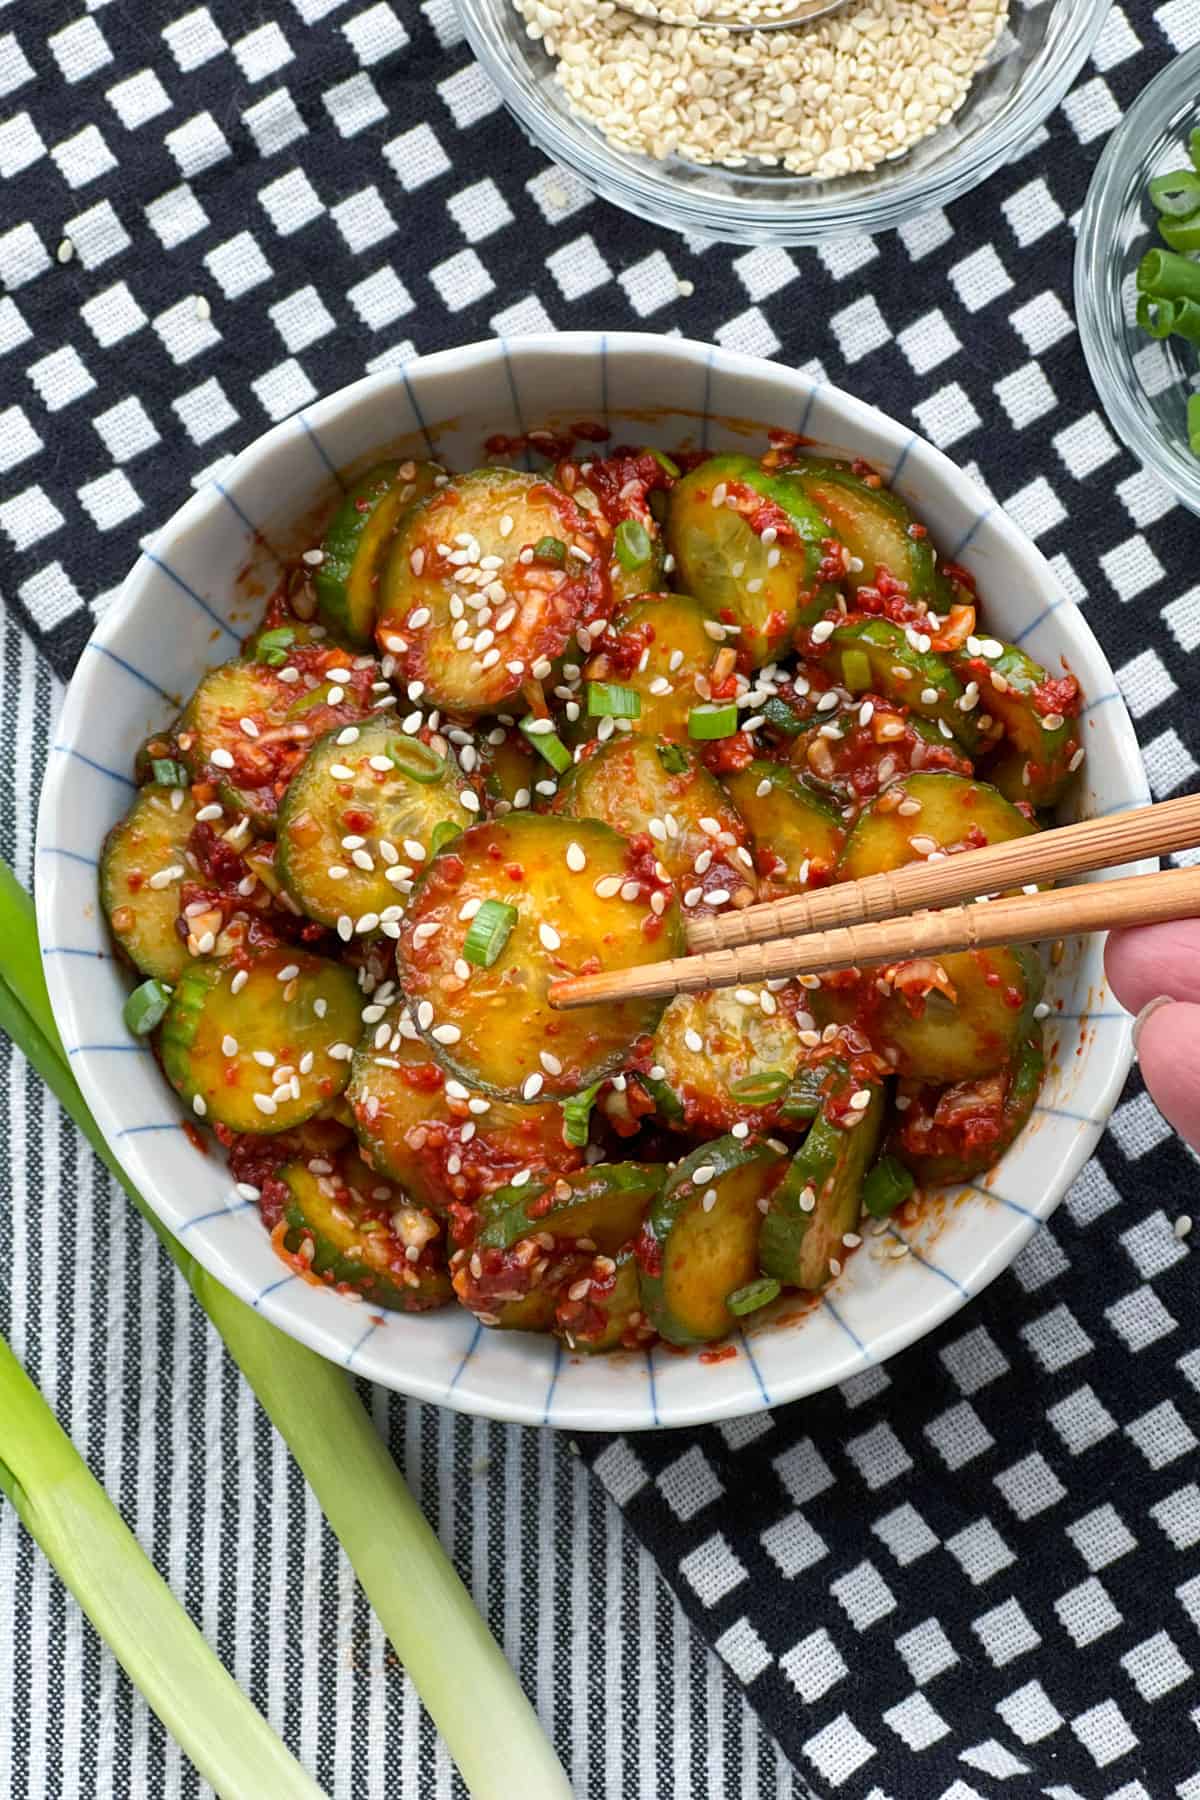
x,y
495,1029
817,1203
349,1230
609,1316
944,1018
656,645
797,835
954,1134
656,791
430,1137
638,556
1039,718
943,812
850,760
603,1204
875,656
767,589
353,813
474,658
510,766
211,1032
724,1080
144,860
693,1255
877,529
356,542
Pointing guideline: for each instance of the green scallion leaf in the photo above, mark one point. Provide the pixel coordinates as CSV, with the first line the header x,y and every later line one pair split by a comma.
x,y
273,646
1177,193
548,744
632,544
755,1294
577,1115
609,700
550,550
145,1007
783,718
673,759
1166,275
488,933
169,773
1193,423
887,1186
443,833
856,671
760,1090
416,760
665,462
1181,234
709,721
667,1102
807,1091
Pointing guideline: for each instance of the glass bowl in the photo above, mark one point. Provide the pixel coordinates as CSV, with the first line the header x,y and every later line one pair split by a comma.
x,y
1033,64
1143,384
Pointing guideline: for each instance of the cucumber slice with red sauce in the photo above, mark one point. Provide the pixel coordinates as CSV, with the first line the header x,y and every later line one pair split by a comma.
x,y
657,791
607,1314
850,756
144,860
439,1139
584,900
695,1250
356,822
715,524
657,644
356,542
878,530
461,609
956,1133
603,1205
725,1060
298,1011
878,657
352,1231
797,835
942,812
1039,716
817,1204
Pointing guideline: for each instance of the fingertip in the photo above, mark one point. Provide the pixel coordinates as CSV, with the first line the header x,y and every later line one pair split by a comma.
x,y
1168,1050
1146,961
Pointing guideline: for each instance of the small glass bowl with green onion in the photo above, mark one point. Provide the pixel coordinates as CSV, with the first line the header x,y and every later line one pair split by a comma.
x,y
1137,278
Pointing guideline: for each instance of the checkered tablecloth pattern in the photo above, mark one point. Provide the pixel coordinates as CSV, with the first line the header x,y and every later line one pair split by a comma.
x,y
972,1574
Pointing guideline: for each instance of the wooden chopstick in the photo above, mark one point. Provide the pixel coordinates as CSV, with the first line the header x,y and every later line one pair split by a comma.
x,y
1050,856
1095,906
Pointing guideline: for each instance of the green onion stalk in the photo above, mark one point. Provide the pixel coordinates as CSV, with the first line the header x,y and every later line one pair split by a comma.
x,y
469,1689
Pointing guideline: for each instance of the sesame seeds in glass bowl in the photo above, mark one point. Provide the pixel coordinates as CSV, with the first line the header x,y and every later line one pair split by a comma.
x,y
959,123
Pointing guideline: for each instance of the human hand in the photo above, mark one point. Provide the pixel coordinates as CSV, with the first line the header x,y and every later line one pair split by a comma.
x,y
1154,971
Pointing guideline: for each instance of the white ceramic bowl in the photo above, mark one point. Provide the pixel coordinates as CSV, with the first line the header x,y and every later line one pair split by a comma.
x,y
182,609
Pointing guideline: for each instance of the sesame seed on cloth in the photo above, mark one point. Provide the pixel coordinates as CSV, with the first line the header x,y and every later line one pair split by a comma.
x,y
841,95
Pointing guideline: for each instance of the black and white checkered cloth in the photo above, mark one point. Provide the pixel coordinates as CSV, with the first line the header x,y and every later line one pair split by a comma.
x,y
970,1575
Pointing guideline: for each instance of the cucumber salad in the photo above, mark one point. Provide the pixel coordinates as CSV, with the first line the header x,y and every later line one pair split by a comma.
x,y
510,725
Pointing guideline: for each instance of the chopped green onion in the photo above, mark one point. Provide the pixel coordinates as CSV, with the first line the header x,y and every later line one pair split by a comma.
x,y
1181,234
856,671
1154,316
416,760
273,646
488,933
1193,423
632,544
760,1090
748,1299
1165,275
887,1186
577,1115
405,1573
169,773
1194,146
444,832
673,759
1177,193
551,550
708,721
145,1007
548,745
608,700
665,462
783,718
808,1090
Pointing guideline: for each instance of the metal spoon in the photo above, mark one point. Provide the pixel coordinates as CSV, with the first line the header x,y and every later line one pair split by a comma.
x,y
803,13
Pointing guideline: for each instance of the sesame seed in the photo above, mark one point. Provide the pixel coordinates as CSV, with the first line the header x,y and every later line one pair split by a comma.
x,y
704,1173
239,981
740,1130
693,896
1041,1010
221,758
822,631
694,1042
808,1200
1075,762
264,1103
198,1106
533,1086
576,860
898,1251
246,1190
446,1034
549,937
421,615
336,695
468,909
1183,1225
709,1200
229,1045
